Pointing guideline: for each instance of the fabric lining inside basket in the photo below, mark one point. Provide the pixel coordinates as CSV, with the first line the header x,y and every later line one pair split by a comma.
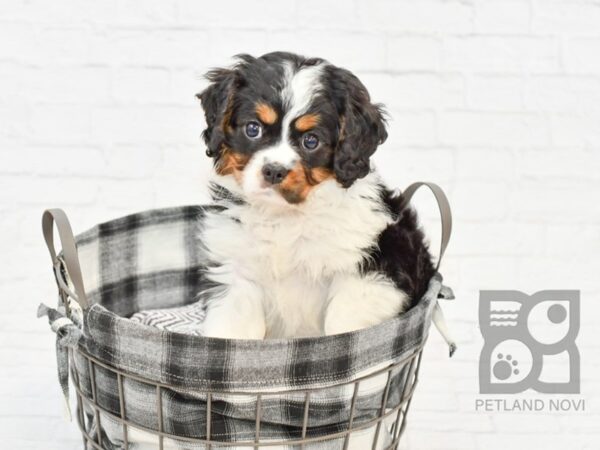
x,y
152,260
182,319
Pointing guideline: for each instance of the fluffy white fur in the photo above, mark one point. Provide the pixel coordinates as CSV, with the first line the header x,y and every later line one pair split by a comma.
x,y
293,270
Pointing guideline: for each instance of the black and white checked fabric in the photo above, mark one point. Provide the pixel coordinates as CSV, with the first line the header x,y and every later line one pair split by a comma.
x,y
152,260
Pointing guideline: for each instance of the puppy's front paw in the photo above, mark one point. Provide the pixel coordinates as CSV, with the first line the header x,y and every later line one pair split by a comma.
x,y
337,322
361,302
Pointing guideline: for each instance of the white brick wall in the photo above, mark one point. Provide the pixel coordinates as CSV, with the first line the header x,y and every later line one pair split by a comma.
x,y
497,100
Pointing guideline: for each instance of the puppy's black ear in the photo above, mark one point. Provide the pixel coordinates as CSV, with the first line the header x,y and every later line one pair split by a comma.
x,y
217,100
362,127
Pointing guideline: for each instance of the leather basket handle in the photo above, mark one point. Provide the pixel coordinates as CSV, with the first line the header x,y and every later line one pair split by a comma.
x,y
58,217
445,212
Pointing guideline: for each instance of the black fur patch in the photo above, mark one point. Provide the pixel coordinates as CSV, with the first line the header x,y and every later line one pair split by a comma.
x,y
401,253
361,125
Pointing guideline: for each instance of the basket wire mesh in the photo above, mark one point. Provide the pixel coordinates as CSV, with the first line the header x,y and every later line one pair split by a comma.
x,y
92,436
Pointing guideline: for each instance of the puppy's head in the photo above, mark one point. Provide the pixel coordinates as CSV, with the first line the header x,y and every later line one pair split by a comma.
x,y
281,124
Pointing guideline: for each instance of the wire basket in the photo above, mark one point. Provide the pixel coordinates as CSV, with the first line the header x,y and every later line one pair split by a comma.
x,y
138,387
90,414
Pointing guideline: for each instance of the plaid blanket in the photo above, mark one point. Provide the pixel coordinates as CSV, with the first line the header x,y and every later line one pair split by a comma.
x,y
152,260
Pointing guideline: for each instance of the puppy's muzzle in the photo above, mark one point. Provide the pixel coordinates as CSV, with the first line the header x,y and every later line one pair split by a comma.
x,y
274,173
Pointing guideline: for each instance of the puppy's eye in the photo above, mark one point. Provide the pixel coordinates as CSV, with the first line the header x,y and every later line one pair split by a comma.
x,y
310,141
253,130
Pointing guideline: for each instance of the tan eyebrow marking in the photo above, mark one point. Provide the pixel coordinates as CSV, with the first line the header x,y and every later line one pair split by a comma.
x,y
266,113
306,122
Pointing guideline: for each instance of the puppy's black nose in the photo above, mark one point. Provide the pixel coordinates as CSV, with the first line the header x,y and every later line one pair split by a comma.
x,y
274,173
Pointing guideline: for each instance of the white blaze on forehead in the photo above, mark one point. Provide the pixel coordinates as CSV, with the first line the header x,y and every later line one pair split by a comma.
x,y
299,89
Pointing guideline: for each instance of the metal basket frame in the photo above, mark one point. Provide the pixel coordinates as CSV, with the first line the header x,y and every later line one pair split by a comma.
x,y
66,266
412,361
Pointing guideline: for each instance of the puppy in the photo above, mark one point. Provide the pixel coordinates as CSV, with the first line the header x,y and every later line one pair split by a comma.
x,y
305,239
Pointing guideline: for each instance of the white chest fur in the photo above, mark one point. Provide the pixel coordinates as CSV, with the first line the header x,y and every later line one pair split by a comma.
x,y
291,256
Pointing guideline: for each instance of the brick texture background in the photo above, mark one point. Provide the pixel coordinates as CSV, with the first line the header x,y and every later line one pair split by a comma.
x,y
497,100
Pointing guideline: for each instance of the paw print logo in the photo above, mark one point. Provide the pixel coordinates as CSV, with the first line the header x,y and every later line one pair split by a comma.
x,y
522,333
505,367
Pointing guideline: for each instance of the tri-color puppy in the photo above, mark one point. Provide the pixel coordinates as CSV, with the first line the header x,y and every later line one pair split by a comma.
x,y
306,239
